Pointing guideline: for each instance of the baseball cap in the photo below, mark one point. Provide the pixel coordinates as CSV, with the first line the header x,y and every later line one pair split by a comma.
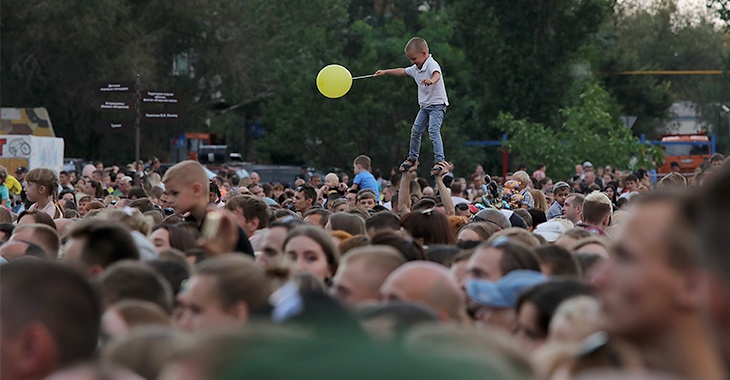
x,y
21,169
514,219
504,292
559,185
550,230
587,164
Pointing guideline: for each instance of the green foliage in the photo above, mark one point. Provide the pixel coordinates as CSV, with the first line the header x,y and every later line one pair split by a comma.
x,y
53,52
543,62
588,132
523,50
375,117
658,37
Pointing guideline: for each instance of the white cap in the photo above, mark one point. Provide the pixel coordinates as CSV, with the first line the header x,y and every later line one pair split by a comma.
x,y
550,230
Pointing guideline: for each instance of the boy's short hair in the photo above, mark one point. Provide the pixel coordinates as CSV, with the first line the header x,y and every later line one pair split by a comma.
x,y
322,212
560,186
717,157
62,300
156,192
366,194
596,206
42,235
363,161
384,220
134,280
189,172
332,176
673,181
137,192
142,204
105,242
308,190
631,177
416,43
252,207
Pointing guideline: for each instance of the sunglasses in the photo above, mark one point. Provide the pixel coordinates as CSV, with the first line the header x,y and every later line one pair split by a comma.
x,y
499,242
598,345
477,218
462,206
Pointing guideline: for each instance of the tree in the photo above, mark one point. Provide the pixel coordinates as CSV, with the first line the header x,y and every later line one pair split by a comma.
x,y
589,131
375,117
659,37
53,53
523,52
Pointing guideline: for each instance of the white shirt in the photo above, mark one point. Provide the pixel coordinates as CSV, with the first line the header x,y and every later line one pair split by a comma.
x,y
429,95
457,200
50,209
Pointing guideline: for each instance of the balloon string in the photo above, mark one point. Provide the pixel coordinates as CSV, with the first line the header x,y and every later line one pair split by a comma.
x,y
364,76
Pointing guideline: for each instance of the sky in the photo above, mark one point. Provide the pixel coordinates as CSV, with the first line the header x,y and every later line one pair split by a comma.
x,y
685,6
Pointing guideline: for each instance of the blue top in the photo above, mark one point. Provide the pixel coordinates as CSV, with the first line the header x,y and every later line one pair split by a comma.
x,y
555,210
4,195
365,180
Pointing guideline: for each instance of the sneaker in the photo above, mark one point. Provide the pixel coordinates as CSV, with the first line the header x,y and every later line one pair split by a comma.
x,y
408,164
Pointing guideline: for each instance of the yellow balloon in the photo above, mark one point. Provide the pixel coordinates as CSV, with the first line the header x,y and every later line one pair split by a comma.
x,y
334,81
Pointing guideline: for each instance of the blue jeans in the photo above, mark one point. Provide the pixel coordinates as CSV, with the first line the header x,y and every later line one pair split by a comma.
x,y
429,117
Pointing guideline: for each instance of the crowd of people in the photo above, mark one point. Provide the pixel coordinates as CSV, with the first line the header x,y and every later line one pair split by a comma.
x,y
129,273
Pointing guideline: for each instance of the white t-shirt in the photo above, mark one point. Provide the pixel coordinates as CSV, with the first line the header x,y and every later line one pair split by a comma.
x,y
429,95
457,200
50,209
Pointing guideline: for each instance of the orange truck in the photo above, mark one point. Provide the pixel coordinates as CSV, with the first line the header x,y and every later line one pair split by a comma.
x,y
689,151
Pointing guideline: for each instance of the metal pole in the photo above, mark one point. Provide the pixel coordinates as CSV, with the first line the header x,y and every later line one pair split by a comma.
x,y
504,158
137,175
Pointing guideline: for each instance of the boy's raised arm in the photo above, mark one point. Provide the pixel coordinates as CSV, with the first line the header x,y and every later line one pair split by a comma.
x,y
397,72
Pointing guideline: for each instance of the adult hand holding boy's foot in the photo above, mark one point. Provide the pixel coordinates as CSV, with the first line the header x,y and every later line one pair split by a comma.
x,y
219,233
440,167
445,168
409,165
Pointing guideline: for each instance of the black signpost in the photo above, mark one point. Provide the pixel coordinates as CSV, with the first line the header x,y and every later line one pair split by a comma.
x,y
158,97
115,100
125,87
113,105
114,125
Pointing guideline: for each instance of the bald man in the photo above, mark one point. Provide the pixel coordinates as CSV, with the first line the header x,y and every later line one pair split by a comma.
x,y
38,234
363,271
430,284
16,249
